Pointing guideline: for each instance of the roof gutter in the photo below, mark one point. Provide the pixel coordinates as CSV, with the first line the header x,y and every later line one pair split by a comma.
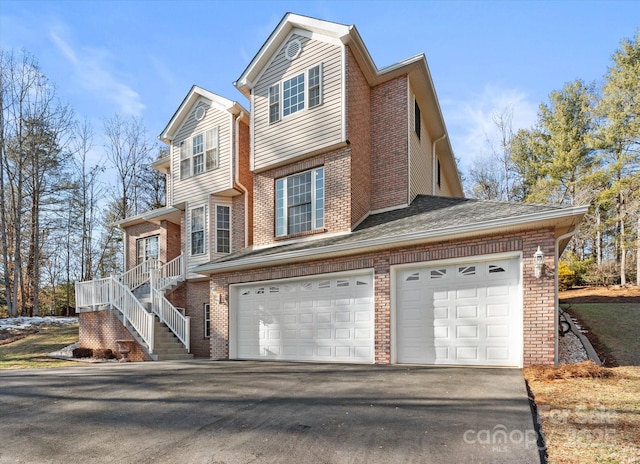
x,y
350,248
237,180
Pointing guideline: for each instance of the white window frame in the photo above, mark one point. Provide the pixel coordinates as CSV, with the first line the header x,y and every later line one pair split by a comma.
x,y
217,229
275,95
206,309
200,153
319,86
203,230
144,242
317,202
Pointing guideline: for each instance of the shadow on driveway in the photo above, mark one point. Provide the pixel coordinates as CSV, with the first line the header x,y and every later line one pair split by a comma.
x,y
265,412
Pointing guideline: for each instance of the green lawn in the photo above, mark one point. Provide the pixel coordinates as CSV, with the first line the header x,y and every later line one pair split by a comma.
x,y
617,327
31,352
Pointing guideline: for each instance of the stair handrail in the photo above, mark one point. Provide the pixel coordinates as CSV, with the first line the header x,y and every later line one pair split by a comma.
x,y
170,273
168,314
135,314
139,275
93,293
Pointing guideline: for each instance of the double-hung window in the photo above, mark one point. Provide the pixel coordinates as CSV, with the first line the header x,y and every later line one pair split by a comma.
x,y
223,229
199,153
147,248
207,320
197,230
293,95
296,93
300,202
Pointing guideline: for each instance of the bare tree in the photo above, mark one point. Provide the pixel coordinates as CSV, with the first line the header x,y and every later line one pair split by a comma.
x,y
128,149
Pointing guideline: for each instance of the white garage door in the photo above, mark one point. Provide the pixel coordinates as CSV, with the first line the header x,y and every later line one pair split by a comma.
x,y
465,314
327,319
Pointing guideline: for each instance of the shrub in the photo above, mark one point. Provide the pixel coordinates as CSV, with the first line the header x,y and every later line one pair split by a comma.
x,y
566,277
82,353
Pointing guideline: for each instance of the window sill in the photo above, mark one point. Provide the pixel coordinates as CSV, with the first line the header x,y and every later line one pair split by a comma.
x,y
300,234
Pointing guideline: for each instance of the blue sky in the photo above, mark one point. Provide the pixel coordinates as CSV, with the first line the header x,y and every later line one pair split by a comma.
x,y
141,57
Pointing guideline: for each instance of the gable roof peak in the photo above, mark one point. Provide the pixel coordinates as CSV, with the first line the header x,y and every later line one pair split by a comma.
x,y
194,94
288,23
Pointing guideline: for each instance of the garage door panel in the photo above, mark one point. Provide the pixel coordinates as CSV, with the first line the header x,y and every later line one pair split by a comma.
x,y
467,314
322,319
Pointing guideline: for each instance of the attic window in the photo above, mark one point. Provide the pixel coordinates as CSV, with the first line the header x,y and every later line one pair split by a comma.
x,y
199,113
293,50
417,121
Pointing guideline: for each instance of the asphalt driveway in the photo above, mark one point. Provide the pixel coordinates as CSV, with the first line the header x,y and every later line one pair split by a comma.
x,y
250,412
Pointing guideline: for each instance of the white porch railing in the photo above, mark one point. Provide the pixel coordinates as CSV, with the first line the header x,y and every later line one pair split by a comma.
x,y
93,293
116,291
139,275
170,273
134,312
98,293
172,317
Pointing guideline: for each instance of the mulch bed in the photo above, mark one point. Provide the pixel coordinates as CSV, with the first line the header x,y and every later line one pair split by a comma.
x,y
614,294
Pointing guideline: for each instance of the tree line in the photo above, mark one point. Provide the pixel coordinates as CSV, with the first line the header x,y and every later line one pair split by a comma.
x,y
584,148
57,208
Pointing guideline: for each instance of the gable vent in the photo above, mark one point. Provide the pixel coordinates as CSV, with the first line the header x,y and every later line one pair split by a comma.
x,y
293,50
199,113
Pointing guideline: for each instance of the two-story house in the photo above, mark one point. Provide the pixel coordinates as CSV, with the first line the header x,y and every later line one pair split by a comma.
x,y
361,246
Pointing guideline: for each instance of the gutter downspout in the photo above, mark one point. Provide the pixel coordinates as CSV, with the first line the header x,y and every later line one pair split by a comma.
x,y
557,301
237,181
433,163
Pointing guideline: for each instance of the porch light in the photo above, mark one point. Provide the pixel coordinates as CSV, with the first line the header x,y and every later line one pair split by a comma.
x,y
538,263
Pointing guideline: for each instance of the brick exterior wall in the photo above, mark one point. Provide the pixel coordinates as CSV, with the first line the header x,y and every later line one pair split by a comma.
x,y
389,144
101,329
168,240
245,175
174,242
337,193
538,294
359,136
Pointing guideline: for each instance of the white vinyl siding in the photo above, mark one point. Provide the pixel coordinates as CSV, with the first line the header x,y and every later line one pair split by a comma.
x,y
309,129
211,157
420,160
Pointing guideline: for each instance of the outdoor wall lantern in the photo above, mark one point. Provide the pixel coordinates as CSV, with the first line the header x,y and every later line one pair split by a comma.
x,y
538,262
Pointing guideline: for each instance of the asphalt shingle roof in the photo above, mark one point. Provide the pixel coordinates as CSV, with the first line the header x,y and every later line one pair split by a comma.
x,y
426,213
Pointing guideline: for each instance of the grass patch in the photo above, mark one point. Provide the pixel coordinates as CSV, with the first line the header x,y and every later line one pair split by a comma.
x,y
589,413
616,327
31,352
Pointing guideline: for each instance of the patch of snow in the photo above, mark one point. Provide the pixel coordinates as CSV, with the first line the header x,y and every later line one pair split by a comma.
x,y
22,323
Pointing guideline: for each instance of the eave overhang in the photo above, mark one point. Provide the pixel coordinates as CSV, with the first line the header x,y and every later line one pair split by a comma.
x,y
155,216
561,221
